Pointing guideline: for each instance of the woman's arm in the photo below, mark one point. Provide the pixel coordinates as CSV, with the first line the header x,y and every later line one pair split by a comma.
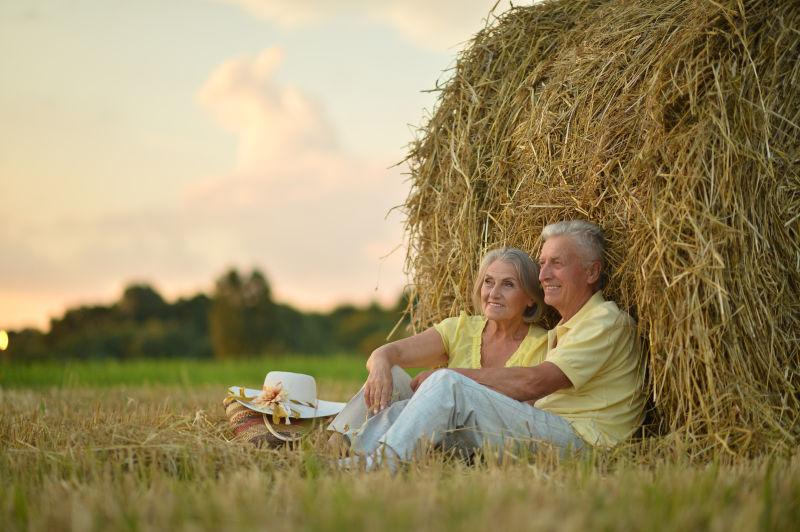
x,y
425,349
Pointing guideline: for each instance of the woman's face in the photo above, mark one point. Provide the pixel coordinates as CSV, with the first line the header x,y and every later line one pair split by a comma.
x,y
502,296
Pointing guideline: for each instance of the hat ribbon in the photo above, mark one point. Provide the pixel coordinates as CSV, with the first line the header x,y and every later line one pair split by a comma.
x,y
277,399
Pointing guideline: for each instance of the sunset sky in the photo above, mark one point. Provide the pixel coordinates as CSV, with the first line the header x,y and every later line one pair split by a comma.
x,y
165,142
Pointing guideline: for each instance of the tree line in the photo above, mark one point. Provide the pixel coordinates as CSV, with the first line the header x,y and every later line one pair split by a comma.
x,y
239,319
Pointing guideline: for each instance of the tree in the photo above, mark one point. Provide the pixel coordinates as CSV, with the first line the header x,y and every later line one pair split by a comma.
x,y
26,345
242,319
141,302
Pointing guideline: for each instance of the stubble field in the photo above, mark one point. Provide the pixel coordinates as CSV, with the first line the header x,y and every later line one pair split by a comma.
x,y
145,446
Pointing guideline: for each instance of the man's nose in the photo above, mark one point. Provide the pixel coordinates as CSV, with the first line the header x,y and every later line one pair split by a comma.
x,y
544,271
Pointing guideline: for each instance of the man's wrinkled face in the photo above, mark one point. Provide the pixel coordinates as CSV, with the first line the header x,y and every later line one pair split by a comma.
x,y
566,279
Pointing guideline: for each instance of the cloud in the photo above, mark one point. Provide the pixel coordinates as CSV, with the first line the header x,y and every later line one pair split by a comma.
x,y
434,25
439,25
293,13
293,204
273,122
302,206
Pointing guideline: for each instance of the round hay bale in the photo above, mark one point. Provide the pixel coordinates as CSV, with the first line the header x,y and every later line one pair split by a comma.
x,y
674,125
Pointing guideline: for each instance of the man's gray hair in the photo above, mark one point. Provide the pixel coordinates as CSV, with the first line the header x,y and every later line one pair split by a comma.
x,y
528,273
587,235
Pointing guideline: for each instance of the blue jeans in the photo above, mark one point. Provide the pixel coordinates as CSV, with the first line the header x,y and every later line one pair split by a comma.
x,y
454,411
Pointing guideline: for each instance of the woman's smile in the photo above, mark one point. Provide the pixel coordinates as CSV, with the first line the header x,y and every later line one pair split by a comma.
x,y
502,294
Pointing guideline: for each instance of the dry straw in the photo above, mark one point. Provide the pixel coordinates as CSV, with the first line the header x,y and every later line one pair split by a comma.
x,y
675,126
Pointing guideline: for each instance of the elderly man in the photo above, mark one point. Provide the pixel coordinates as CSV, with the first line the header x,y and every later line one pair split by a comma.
x,y
587,390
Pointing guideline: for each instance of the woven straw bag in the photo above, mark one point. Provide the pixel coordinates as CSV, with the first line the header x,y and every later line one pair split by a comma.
x,y
258,429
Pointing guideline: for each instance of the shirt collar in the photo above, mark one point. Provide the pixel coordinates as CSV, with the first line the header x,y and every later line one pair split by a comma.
x,y
596,299
560,330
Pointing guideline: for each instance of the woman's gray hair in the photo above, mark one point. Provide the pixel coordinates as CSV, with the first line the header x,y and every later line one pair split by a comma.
x,y
587,235
527,272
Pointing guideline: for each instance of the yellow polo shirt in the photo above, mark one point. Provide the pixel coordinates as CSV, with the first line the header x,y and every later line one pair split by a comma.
x,y
598,350
462,342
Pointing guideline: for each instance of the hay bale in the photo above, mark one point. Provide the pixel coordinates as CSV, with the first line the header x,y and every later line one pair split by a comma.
x,y
675,126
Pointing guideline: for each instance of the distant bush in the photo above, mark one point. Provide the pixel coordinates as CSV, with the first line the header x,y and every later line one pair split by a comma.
x,y
240,319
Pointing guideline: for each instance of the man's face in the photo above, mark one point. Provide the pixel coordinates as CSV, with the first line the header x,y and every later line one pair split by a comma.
x,y
567,282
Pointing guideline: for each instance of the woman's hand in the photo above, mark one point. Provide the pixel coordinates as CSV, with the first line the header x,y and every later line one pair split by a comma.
x,y
417,381
421,350
379,385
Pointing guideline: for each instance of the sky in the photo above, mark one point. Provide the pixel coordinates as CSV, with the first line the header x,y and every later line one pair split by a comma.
x,y
166,142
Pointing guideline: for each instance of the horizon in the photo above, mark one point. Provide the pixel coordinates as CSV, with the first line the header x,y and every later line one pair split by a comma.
x,y
163,143
186,295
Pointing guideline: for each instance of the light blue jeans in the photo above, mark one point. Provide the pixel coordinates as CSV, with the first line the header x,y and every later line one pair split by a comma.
x,y
453,411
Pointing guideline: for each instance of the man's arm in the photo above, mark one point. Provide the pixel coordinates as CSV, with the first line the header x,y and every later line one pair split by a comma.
x,y
522,384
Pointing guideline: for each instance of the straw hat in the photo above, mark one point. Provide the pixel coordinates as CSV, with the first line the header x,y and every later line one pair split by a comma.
x,y
284,397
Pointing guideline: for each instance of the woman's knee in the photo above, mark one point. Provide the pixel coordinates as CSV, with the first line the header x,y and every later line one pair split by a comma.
x,y
401,384
441,379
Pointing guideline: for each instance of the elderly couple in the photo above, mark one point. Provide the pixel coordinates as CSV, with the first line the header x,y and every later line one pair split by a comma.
x,y
503,378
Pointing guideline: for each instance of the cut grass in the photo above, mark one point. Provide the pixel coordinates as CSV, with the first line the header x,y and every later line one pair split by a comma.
x,y
159,458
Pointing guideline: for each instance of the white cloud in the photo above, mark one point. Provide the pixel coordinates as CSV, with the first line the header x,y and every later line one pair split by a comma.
x,y
273,122
302,206
436,25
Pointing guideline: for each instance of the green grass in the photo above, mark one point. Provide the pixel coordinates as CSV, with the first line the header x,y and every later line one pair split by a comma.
x,y
249,371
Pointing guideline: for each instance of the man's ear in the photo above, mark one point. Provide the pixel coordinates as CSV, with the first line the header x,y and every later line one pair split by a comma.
x,y
594,272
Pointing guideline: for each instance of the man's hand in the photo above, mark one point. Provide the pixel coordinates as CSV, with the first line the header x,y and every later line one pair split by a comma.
x,y
417,381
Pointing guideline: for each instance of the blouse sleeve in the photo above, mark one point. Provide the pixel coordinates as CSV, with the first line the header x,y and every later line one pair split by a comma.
x,y
447,329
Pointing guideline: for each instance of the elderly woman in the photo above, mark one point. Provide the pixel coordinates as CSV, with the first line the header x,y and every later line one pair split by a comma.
x,y
509,300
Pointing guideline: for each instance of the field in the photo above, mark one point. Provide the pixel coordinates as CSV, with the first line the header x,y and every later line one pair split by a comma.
x,y
144,446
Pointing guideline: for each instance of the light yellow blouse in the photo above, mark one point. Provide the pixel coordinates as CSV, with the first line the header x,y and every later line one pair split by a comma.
x,y
462,342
